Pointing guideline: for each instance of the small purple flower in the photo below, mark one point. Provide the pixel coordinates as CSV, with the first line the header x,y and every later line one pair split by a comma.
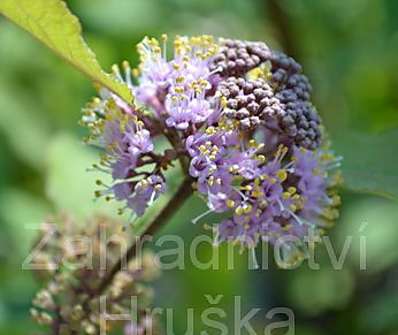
x,y
145,192
228,230
139,142
184,111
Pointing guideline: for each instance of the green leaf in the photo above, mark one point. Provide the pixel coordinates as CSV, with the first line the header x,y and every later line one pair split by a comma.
x,y
370,162
374,220
20,110
314,292
20,213
68,184
51,22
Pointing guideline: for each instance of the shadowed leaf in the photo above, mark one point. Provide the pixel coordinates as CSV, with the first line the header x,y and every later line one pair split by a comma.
x,y
370,162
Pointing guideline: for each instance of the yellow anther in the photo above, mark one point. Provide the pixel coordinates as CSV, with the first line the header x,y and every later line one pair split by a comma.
x,y
212,169
210,130
247,188
223,102
239,210
286,195
261,158
115,69
330,213
293,208
336,200
211,181
125,65
202,148
234,168
327,156
257,193
247,209
337,179
215,149
281,152
252,143
179,89
292,190
97,100
203,82
135,72
287,227
282,175
230,203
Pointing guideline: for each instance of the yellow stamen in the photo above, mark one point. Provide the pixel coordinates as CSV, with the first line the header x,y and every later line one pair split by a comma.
x,y
282,175
230,203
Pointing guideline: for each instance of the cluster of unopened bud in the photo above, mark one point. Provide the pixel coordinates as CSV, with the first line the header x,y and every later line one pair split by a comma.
x,y
262,87
71,266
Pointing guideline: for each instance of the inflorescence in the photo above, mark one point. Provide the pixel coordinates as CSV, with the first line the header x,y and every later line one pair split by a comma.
x,y
71,266
238,116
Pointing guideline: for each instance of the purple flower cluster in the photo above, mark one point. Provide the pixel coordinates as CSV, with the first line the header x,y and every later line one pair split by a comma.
x,y
176,90
129,149
240,115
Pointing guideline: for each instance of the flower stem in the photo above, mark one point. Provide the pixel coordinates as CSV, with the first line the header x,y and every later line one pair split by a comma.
x,y
176,202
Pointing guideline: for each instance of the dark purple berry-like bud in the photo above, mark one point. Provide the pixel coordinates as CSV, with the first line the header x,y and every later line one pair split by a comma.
x,y
256,103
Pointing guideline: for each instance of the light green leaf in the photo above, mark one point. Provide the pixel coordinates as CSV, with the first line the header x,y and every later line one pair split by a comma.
x,y
22,214
20,110
68,184
370,162
51,22
314,292
374,220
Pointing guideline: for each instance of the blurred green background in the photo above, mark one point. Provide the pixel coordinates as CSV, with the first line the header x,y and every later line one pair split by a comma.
x,y
349,50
